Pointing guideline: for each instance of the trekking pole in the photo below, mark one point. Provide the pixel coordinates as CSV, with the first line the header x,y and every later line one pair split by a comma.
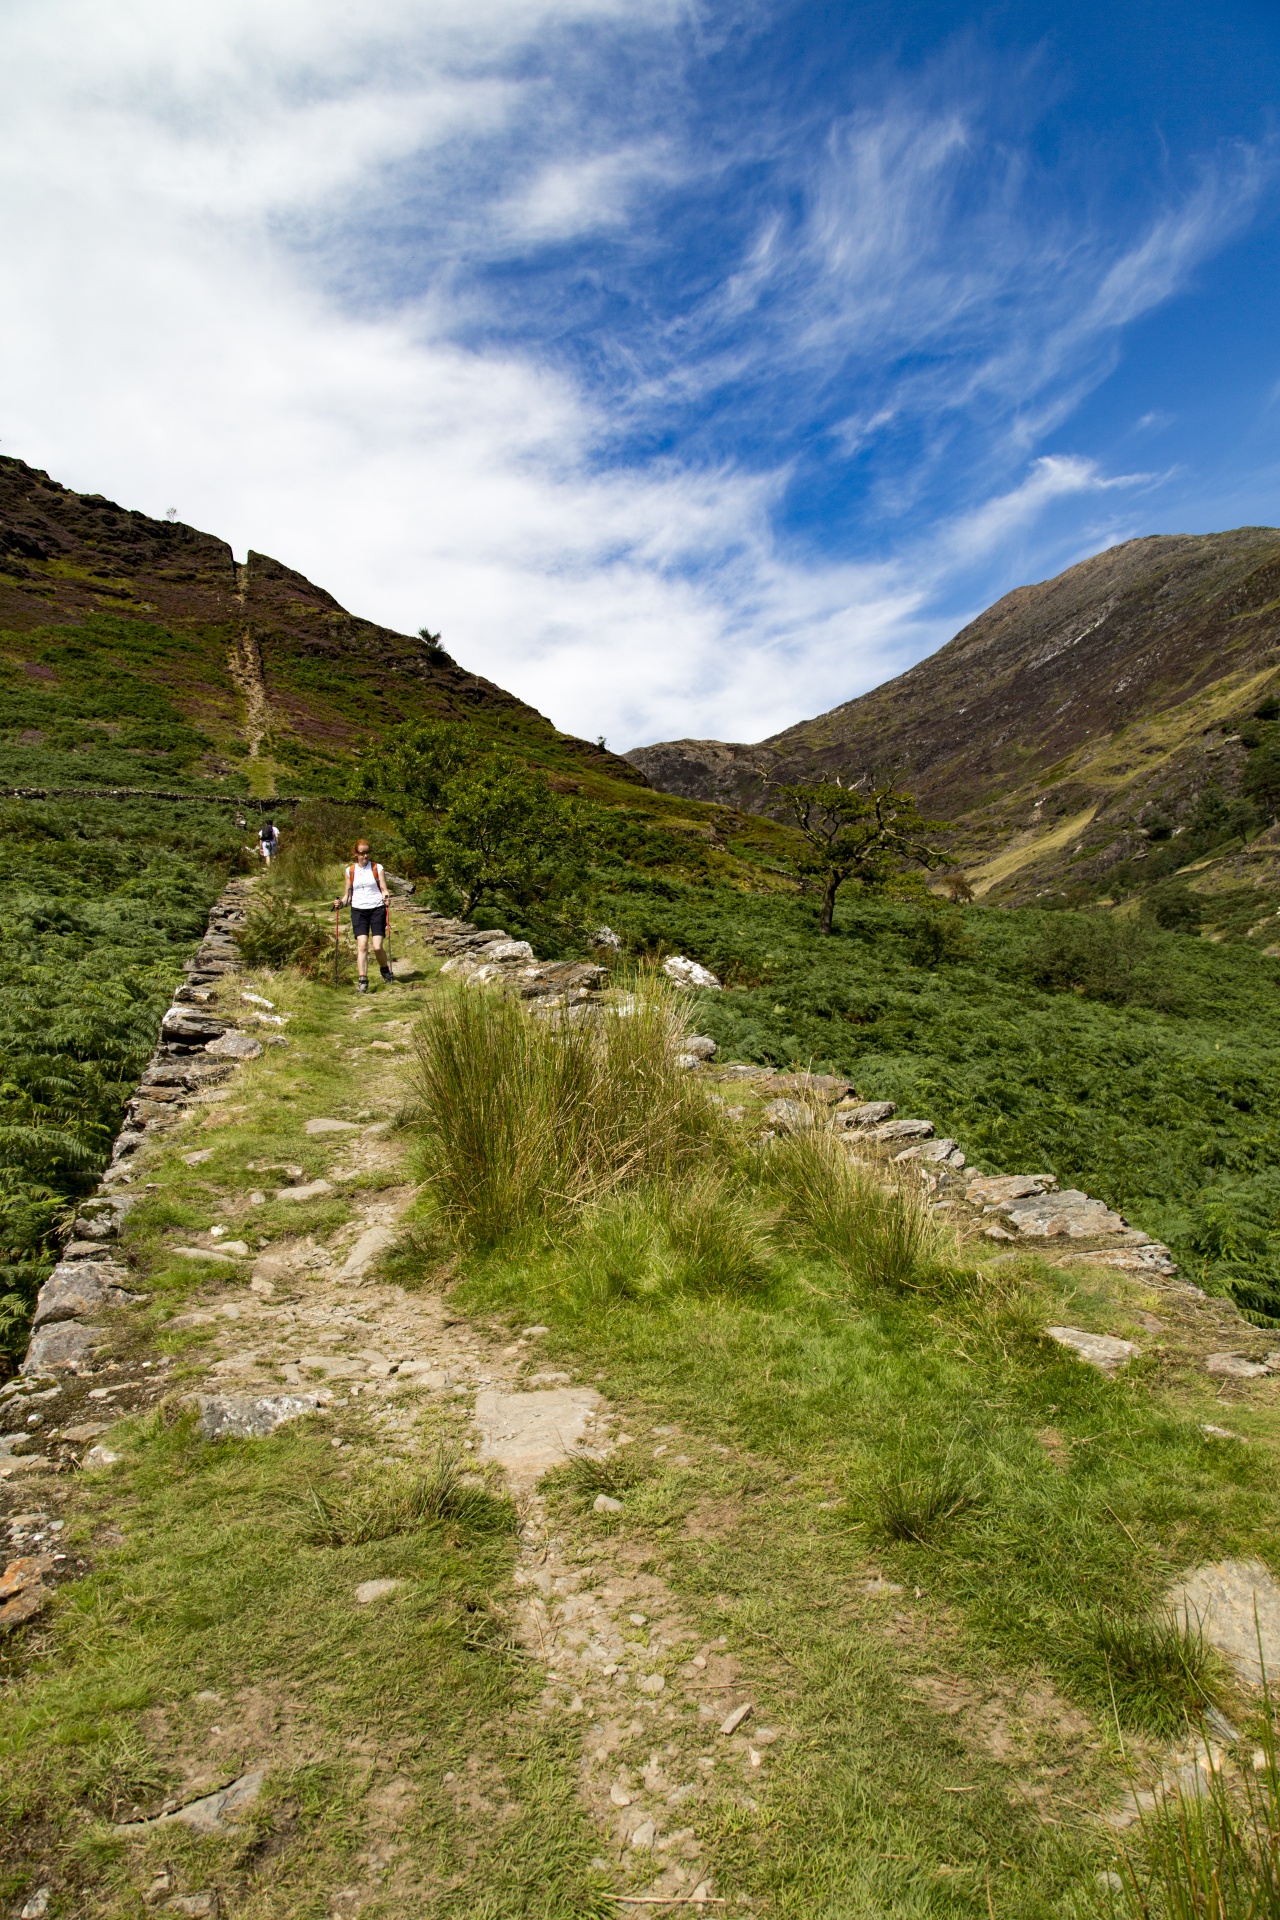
x,y
336,911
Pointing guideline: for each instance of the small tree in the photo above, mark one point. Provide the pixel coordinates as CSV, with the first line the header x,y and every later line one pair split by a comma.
x,y
475,817
507,833
851,835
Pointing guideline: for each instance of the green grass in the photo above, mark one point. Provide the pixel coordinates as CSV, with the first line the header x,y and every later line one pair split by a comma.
x,y
1149,1086
842,1421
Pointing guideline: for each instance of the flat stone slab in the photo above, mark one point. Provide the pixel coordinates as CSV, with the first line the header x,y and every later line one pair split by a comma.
x,y
1071,1214
65,1347
997,1189
869,1113
371,1245
332,1126
902,1130
1235,1366
948,1150
312,1191
235,1046
208,1815
529,1433
233,1416
1236,1604
828,1087
1101,1350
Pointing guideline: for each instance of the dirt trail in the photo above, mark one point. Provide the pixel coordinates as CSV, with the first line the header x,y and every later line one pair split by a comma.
x,y
651,1695
244,664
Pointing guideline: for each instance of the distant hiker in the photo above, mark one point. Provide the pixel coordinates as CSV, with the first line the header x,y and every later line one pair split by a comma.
x,y
369,899
268,842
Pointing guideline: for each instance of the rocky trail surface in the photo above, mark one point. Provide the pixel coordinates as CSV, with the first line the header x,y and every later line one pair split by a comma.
x,y
280,1325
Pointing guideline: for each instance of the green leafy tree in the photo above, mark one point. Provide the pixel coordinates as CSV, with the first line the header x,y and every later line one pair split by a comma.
x,y
871,838
1261,780
476,818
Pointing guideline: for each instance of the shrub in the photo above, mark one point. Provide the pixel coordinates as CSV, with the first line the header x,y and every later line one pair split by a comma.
x,y
275,934
1173,906
1118,961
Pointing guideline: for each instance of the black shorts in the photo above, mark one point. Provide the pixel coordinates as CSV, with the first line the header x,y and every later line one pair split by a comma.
x,y
369,920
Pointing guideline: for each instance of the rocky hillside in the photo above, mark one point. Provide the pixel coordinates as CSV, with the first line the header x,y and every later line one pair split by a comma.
x,y
1055,725
119,631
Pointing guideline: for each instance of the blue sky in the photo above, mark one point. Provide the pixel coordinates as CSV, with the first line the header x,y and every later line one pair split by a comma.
x,y
693,367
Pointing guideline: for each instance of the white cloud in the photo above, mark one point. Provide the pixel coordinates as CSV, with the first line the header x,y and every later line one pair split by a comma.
x,y
192,205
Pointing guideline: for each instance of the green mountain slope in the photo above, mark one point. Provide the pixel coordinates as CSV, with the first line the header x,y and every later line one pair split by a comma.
x,y
137,650
1059,726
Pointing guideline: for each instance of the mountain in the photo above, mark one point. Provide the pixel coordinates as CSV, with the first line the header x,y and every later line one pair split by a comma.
x,y
1059,724
133,643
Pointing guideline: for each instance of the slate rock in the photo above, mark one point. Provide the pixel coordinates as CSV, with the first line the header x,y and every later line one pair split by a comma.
x,y
65,1347
229,1416
189,1023
210,1814
77,1287
1235,1366
311,1191
1101,1350
331,1126
943,1149
997,1189
826,1087
1070,1214
789,1116
869,1113
1236,1604
901,1130
235,1046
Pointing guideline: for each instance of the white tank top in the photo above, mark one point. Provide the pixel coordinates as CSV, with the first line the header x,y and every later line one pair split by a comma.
x,y
365,891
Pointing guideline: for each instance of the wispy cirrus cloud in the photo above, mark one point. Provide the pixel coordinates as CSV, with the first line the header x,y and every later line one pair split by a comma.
x,y
501,317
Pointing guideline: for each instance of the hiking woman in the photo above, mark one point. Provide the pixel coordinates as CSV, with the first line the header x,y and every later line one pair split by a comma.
x,y
367,896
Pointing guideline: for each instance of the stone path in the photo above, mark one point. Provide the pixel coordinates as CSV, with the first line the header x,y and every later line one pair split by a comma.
x,y
314,1330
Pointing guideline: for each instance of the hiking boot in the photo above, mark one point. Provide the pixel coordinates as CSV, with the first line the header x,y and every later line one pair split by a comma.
x,y
388,976
362,986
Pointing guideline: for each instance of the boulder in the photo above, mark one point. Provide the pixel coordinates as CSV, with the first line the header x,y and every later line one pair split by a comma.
x,y
78,1287
700,1045
788,1116
506,951
606,938
688,973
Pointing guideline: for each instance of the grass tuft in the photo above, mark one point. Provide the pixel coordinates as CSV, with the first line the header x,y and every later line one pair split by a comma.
x,y
916,1504
878,1229
1161,1667
437,1495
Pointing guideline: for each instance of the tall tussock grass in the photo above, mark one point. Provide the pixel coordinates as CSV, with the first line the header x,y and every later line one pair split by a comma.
x,y
526,1120
877,1227
1214,1855
592,1137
